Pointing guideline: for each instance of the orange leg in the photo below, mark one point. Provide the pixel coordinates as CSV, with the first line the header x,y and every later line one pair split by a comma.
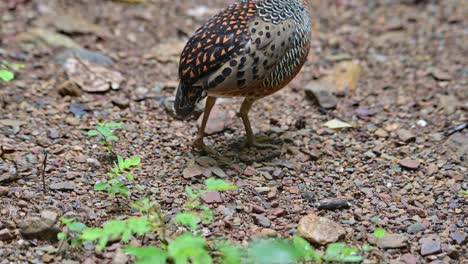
x,y
198,143
244,113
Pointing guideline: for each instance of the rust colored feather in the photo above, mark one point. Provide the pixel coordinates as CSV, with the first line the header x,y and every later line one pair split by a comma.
x,y
215,43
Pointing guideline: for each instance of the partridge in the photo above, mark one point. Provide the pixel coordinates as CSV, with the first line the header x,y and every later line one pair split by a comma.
x,y
251,49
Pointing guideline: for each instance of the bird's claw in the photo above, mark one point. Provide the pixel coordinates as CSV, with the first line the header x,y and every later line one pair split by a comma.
x,y
200,145
255,144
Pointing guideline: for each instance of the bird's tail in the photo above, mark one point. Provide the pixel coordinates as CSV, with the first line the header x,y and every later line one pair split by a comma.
x,y
186,100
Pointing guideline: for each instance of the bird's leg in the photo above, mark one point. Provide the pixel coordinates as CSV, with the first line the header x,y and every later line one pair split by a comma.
x,y
250,139
198,143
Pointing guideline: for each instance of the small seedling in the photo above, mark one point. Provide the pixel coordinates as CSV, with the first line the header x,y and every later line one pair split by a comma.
x,y
71,232
114,229
340,252
104,131
7,70
119,175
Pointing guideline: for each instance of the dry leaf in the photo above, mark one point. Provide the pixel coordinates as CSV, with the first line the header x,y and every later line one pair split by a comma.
x,y
345,76
166,52
74,24
92,77
337,124
44,38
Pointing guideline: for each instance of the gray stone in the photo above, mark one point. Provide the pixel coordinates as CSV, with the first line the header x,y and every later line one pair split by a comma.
x,y
39,228
261,220
321,93
84,54
415,228
430,246
62,186
458,237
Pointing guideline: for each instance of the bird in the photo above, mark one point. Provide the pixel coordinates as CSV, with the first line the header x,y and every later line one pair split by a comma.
x,y
251,49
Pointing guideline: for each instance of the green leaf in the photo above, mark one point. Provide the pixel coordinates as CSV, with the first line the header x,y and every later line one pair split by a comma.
x,y
463,192
91,234
143,205
124,191
76,226
306,250
106,132
188,219
92,133
230,254
335,249
339,252
7,75
133,161
273,251
113,125
139,225
190,192
366,248
379,232
147,255
213,184
188,247
75,242
112,138
61,236
206,215
100,186
129,176
120,163
65,220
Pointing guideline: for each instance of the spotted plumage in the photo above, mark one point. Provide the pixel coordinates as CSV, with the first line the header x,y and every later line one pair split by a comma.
x,y
250,49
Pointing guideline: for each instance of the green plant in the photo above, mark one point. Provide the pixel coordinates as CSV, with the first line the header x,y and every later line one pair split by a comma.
x,y
104,132
463,192
113,229
7,70
71,232
119,175
191,247
340,252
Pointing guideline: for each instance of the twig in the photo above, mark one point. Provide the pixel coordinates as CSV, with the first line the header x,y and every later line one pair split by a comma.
x,y
44,164
456,129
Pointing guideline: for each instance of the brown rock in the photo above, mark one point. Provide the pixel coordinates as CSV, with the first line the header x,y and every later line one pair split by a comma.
x,y
193,171
410,164
432,169
409,259
406,135
279,211
211,197
381,133
6,235
389,241
320,230
412,210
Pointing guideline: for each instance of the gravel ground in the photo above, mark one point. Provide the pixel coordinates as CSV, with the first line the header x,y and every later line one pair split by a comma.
x,y
402,161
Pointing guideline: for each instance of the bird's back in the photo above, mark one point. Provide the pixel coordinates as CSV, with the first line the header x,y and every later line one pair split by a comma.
x,y
250,49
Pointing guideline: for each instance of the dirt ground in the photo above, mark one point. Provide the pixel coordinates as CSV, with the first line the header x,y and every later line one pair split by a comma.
x,y
399,163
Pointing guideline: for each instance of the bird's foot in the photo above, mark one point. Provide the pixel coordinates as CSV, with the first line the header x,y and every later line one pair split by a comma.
x,y
200,145
253,143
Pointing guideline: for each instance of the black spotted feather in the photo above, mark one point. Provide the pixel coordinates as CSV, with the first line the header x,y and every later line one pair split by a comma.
x,y
213,45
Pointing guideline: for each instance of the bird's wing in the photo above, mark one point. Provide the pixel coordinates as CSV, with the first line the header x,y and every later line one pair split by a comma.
x,y
215,43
